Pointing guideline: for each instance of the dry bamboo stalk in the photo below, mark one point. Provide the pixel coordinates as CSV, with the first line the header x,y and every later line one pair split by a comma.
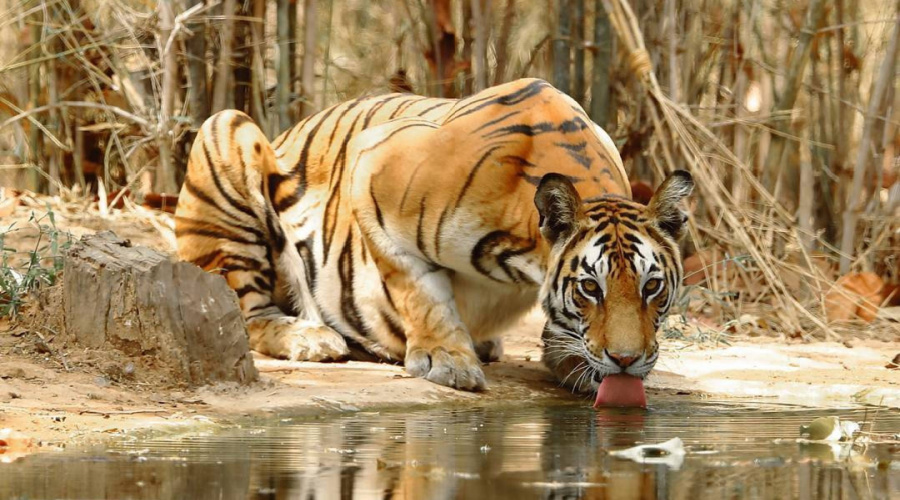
x,y
793,82
54,157
561,45
258,72
195,48
468,42
222,84
805,201
672,46
854,205
328,25
503,42
481,18
578,51
308,78
283,89
34,99
165,175
602,61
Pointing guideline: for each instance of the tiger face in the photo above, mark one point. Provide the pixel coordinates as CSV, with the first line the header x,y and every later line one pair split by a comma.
x,y
613,274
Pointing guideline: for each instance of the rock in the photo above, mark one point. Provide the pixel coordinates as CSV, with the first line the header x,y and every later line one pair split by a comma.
x,y
170,318
670,453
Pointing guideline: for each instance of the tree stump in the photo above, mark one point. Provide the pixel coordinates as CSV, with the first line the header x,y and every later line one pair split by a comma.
x,y
170,318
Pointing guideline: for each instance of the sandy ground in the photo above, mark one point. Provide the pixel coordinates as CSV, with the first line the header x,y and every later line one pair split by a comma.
x,y
46,396
39,398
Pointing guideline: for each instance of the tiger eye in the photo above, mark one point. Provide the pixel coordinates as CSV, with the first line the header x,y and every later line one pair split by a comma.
x,y
651,286
590,286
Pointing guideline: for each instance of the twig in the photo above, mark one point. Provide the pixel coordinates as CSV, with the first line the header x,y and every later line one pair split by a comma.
x,y
119,412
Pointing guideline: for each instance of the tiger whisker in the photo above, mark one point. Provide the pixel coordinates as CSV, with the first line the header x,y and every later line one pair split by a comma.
x,y
580,366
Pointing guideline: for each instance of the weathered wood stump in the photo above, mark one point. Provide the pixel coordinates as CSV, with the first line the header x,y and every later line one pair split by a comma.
x,y
173,317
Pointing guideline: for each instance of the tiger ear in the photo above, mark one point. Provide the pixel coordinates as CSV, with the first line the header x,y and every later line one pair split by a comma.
x,y
663,207
559,207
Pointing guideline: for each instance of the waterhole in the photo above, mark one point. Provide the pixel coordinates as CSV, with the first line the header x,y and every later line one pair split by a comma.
x,y
733,449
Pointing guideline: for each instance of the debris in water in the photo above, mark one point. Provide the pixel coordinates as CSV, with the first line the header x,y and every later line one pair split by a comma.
x,y
670,453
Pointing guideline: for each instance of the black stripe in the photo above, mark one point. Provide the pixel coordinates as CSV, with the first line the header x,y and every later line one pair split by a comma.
x,y
409,185
406,104
248,261
472,173
377,107
397,131
299,169
420,243
437,232
509,245
276,235
244,290
339,120
497,120
205,260
213,126
205,198
238,120
513,98
330,222
569,126
348,302
214,233
387,294
378,215
394,328
431,108
215,177
305,250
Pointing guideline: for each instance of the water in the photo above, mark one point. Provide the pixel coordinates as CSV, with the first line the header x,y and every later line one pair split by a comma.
x,y
734,450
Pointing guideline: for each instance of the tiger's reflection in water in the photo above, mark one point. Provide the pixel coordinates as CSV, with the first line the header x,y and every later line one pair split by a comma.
x,y
500,453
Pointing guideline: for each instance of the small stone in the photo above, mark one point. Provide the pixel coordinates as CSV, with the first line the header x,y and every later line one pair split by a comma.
x,y
41,347
894,363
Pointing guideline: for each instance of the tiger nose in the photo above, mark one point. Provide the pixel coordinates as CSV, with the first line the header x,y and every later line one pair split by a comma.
x,y
622,359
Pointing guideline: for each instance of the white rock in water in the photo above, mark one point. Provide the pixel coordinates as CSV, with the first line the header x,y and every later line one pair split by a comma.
x,y
670,453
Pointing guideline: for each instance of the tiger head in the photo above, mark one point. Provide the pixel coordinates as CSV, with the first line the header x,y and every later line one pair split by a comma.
x,y
613,273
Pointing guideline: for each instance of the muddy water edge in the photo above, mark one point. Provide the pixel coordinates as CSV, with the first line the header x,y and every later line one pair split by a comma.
x,y
733,449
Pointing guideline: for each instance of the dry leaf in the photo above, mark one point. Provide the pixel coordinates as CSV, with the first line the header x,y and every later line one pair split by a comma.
x,y
854,295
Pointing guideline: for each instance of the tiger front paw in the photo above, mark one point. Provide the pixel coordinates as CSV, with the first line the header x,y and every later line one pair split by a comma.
x,y
297,340
459,369
319,343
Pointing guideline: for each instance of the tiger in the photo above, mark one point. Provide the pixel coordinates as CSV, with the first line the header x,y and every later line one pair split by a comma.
x,y
411,229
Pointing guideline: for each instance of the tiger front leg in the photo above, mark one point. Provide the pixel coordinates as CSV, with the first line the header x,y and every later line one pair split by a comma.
x,y
438,346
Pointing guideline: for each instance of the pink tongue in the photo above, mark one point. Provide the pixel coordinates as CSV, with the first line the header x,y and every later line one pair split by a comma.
x,y
621,390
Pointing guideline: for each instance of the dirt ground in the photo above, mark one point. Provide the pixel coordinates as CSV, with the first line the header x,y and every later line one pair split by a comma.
x,y
58,397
